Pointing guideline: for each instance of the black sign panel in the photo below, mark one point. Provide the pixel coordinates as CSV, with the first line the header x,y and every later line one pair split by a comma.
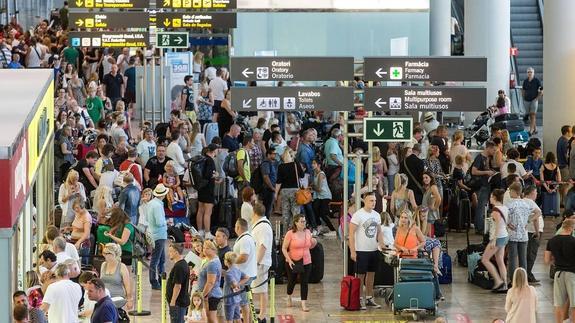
x,y
433,98
207,20
109,39
109,20
109,4
292,98
198,4
291,68
412,69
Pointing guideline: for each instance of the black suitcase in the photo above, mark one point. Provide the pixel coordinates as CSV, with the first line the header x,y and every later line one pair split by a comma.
x,y
459,213
224,211
506,117
384,276
317,264
510,125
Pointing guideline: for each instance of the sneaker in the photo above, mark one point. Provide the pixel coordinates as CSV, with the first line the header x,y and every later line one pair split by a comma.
x,y
371,303
209,235
314,233
201,233
323,229
362,305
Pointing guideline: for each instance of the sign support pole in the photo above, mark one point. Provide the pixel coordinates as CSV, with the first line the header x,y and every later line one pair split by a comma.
x,y
345,235
139,306
162,87
370,161
144,104
153,88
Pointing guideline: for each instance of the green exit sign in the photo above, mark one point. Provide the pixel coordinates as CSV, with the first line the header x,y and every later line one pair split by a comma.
x,y
172,40
382,129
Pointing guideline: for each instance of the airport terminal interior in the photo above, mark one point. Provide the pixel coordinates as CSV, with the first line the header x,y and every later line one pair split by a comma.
x,y
287,161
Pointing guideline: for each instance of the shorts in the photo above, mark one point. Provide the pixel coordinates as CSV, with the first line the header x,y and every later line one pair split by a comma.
x,y
563,289
531,106
244,296
213,303
261,277
431,244
501,242
130,97
232,312
565,174
220,310
367,261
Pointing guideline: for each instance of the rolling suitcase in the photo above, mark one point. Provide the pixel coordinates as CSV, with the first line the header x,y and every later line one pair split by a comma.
x,y
349,294
384,275
211,130
415,264
446,269
406,275
550,204
414,296
459,213
317,264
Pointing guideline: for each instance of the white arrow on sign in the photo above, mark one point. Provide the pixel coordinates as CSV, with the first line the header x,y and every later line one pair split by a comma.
x,y
247,72
379,131
379,103
179,40
380,72
247,104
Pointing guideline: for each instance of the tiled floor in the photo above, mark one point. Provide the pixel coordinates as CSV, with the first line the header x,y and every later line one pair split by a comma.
x,y
460,297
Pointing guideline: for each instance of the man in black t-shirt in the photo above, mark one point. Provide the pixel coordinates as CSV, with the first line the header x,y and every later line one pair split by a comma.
x,y
178,283
187,98
155,166
531,90
268,135
414,167
481,171
561,253
114,85
85,168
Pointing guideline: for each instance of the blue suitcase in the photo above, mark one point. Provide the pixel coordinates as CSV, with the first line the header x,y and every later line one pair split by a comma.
x,y
550,204
416,264
414,297
446,270
406,275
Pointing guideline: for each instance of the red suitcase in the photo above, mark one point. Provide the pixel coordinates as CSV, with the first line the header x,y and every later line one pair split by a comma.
x,y
350,290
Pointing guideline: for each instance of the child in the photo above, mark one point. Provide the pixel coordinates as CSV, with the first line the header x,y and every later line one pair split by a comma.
x,y
197,248
387,226
232,280
172,181
197,314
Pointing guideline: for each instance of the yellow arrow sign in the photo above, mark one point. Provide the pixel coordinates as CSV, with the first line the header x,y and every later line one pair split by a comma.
x,y
79,3
166,3
167,22
80,22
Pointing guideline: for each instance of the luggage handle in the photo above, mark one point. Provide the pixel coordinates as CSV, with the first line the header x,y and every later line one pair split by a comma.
x,y
414,300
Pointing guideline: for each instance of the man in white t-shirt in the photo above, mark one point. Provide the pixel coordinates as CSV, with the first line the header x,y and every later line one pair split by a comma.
x,y
147,147
62,297
245,248
218,86
52,232
534,230
263,236
59,246
365,236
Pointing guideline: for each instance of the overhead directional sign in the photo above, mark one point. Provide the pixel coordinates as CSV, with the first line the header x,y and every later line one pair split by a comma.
x,y
406,68
434,98
109,39
292,98
387,129
207,20
172,39
291,68
109,20
197,4
109,4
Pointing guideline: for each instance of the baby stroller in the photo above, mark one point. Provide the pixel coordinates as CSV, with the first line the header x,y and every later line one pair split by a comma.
x,y
480,129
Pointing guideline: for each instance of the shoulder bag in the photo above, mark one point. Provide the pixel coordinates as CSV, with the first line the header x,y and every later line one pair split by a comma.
x,y
302,195
419,186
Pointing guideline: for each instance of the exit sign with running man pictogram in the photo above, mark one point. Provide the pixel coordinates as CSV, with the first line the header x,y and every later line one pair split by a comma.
x,y
387,129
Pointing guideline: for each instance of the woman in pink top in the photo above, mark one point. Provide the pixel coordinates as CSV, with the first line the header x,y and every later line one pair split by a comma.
x,y
295,248
521,300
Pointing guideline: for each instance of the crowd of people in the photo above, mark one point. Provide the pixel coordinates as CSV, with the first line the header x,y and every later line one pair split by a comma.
x,y
210,162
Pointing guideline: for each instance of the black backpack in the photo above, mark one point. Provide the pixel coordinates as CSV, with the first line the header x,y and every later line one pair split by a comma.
x,y
196,169
257,180
274,265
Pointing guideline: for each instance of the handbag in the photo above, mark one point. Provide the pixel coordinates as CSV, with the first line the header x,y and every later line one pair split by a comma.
x,y
302,196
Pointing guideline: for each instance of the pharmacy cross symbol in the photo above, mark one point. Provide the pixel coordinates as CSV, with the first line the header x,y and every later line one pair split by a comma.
x,y
395,73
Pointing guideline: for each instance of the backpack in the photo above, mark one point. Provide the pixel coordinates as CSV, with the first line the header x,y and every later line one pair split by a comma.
x,y
196,169
274,265
257,180
230,166
143,241
119,180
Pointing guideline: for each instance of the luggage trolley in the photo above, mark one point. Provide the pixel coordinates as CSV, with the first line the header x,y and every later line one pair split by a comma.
x,y
414,289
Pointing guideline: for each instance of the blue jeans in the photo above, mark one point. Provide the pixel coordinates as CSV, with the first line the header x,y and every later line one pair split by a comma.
x,y
157,262
177,314
516,250
84,254
482,200
309,215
